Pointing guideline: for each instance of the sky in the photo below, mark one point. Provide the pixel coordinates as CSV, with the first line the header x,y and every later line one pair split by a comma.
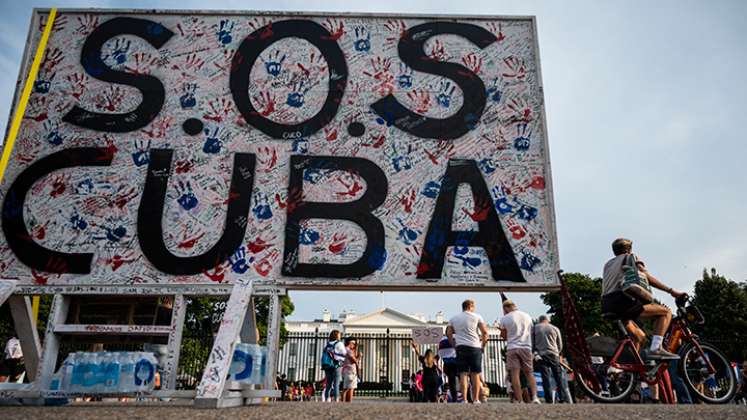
x,y
641,99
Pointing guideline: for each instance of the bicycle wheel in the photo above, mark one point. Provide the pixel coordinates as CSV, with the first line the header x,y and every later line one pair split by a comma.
x,y
614,385
716,388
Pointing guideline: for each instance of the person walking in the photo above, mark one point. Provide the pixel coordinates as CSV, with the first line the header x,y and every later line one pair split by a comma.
x,y
447,354
516,329
332,358
468,333
548,346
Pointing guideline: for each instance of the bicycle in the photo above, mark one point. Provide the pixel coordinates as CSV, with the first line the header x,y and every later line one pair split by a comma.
x,y
705,370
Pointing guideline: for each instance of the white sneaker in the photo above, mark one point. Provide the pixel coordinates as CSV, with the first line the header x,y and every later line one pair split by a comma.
x,y
536,401
476,402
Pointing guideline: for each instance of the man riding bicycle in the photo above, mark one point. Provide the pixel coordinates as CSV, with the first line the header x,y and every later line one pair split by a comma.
x,y
628,309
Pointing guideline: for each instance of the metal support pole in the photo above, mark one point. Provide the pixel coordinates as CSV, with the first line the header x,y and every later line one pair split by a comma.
x,y
171,368
23,320
57,316
273,339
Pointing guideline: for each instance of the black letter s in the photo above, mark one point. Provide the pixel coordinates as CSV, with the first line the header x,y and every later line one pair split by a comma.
x,y
149,86
473,89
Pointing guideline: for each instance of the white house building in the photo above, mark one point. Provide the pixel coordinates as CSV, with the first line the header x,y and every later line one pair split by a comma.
x,y
384,338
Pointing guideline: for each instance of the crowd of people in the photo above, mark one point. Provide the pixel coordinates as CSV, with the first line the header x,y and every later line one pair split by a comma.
x,y
454,372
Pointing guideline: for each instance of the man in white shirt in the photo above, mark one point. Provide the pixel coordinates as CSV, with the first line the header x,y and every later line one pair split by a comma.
x,y
516,329
469,335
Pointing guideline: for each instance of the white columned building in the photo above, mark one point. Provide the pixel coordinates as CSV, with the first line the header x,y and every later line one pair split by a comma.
x,y
384,340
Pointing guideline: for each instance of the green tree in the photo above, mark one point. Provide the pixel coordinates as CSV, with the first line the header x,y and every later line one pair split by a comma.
x,y
204,315
724,305
587,295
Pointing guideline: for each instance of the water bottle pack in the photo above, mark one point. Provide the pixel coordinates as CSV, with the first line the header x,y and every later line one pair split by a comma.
x,y
248,364
106,372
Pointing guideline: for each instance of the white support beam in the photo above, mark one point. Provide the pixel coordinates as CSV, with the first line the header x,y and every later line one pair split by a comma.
x,y
210,390
51,346
6,289
23,321
97,329
178,312
273,339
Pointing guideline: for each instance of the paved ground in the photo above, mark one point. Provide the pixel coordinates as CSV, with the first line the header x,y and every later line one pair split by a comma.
x,y
379,410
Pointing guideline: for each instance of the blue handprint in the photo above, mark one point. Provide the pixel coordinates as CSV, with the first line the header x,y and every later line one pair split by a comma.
x,y
224,32
469,262
44,82
187,198
362,40
77,222
399,161
296,98
115,234
53,134
431,189
444,96
527,213
300,145
501,201
274,63
404,79
529,261
213,142
493,92
523,138
84,187
308,236
262,209
187,100
238,261
406,234
487,165
141,156
119,52
377,258
462,241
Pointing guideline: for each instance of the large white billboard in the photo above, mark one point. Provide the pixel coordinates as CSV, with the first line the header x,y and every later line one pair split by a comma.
x,y
303,150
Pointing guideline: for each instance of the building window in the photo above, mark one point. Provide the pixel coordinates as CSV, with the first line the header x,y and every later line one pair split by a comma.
x,y
292,374
292,349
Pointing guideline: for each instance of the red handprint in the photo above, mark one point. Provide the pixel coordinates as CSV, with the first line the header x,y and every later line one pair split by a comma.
x,y
219,108
422,100
336,29
339,243
515,68
87,23
473,62
408,199
268,158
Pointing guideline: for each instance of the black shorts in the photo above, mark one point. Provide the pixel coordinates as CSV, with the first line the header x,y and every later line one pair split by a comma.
x,y
469,359
625,307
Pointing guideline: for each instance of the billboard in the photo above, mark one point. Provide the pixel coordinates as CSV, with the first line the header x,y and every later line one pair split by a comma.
x,y
303,150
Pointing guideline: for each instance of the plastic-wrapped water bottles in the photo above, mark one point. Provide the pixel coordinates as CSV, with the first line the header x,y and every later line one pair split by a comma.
x,y
248,363
106,372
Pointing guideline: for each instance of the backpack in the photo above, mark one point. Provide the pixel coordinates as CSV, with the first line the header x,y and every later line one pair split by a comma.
x,y
328,356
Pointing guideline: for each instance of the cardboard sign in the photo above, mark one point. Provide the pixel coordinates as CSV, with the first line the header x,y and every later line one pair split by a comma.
x,y
299,150
427,335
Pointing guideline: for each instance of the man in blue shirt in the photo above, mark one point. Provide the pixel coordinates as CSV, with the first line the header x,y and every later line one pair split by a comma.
x,y
447,353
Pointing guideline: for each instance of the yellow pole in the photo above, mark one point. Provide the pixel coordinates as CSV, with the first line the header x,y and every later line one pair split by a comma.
x,y
24,99
21,111
35,307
